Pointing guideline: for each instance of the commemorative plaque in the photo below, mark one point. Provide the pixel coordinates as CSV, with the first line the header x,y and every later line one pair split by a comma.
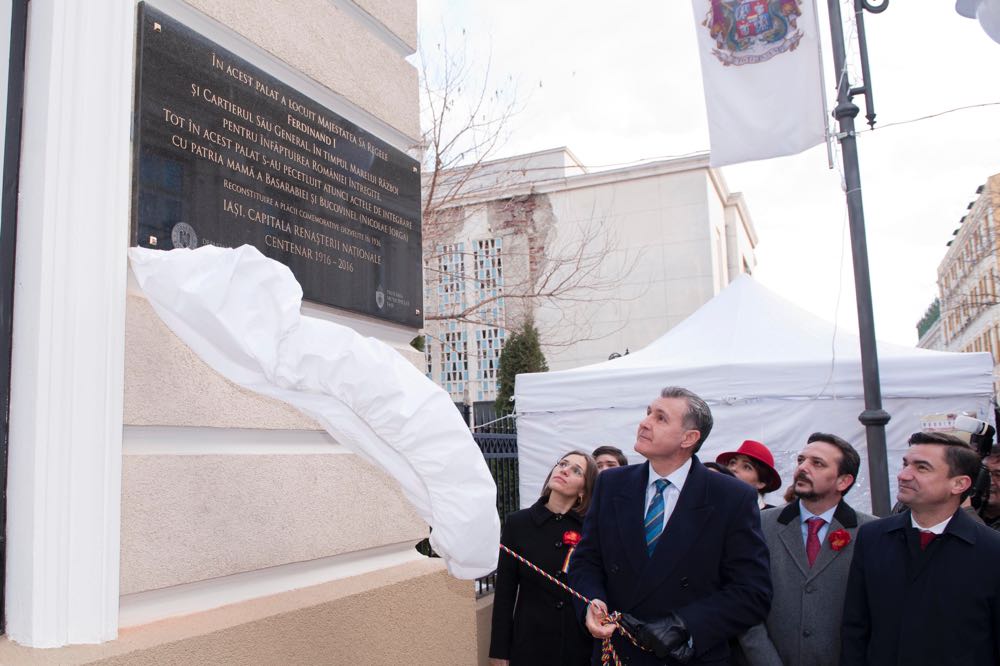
x,y
228,155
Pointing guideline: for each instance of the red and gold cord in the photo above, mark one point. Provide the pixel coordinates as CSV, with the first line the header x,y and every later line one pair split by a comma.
x,y
608,655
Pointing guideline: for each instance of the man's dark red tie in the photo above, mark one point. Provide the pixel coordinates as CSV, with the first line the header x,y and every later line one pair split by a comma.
x,y
812,538
926,536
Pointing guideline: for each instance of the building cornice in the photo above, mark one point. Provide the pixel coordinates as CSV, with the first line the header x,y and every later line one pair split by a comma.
x,y
977,211
633,172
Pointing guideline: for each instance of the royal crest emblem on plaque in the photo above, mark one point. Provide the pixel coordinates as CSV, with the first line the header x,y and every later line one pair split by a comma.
x,y
183,235
753,31
380,297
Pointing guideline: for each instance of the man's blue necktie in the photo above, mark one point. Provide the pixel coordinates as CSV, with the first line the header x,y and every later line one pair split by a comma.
x,y
654,516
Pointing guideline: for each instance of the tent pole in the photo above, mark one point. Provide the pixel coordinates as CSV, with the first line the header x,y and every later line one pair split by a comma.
x,y
873,417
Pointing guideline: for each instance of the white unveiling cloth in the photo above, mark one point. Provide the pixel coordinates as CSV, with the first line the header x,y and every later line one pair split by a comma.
x,y
240,313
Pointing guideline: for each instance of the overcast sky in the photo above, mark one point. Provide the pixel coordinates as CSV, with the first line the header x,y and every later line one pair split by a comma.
x,y
620,82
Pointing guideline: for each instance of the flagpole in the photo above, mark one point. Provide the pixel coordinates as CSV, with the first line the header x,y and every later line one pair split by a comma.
x,y
873,417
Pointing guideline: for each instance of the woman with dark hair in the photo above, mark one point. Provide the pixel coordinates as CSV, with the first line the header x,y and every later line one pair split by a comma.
x,y
534,621
753,463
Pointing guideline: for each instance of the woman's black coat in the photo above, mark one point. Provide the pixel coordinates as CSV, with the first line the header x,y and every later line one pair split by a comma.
x,y
533,619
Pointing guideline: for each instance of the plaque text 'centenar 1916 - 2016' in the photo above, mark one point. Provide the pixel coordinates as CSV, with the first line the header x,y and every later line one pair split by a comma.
x,y
228,155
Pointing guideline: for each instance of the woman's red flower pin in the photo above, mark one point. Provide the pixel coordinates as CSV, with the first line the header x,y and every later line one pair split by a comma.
x,y
839,539
570,538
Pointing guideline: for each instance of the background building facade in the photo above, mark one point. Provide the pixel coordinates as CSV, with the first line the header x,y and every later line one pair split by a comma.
x,y
966,315
603,262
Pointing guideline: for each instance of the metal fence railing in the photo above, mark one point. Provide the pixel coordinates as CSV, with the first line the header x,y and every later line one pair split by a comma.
x,y
500,452
487,419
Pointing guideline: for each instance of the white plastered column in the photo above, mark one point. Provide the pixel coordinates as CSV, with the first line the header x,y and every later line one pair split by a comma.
x,y
64,476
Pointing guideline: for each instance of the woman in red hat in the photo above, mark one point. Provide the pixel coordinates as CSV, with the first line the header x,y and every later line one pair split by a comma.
x,y
753,463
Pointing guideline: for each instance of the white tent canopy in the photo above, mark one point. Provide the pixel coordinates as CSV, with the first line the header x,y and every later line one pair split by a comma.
x,y
769,370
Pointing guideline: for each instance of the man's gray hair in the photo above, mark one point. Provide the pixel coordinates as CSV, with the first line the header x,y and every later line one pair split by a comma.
x,y
698,416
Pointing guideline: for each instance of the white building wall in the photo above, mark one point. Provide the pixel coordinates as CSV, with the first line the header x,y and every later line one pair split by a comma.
x,y
663,266
741,236
670,236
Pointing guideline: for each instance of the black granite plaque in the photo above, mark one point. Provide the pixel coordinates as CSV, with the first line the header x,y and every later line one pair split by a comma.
x,y
228,155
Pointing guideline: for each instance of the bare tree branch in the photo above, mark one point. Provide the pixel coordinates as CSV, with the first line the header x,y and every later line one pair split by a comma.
x,y
544,263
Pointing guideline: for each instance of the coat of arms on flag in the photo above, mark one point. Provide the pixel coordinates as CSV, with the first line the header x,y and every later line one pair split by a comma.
x,y
752,31
760,65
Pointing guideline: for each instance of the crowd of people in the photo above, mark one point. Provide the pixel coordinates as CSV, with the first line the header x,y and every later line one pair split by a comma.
x,y
703,571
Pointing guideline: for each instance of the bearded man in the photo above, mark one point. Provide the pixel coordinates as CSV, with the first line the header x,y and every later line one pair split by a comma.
x,y
811,541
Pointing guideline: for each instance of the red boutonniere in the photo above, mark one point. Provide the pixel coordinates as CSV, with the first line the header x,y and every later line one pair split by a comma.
x,y
839,539
570,538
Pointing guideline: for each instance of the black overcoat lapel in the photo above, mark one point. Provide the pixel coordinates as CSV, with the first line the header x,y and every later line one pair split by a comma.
x,y
630,511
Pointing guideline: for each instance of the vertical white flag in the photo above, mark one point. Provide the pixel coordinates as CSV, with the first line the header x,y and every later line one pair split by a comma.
x,y
761,66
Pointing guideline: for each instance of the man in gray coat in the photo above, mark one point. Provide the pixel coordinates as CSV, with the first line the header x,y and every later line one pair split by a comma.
x,y
811,541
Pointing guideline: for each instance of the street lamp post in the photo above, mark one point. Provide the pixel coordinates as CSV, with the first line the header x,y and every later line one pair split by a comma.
x,y
873,417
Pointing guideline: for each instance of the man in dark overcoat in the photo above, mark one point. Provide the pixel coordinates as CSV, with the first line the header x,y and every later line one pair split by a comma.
x,y
675,546
924,586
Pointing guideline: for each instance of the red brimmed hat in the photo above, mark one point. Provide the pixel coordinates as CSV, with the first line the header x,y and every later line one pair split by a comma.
x,y
761,454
